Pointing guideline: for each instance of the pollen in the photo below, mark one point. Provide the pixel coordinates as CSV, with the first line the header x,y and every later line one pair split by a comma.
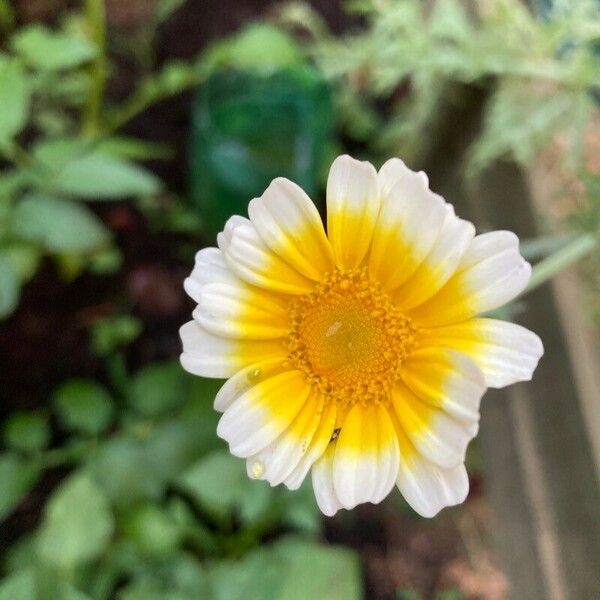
x,y
348,338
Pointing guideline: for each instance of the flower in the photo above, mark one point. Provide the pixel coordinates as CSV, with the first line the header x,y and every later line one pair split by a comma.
x,y
357,354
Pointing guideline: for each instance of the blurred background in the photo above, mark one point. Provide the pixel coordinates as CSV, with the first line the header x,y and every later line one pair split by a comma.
x,y
130,130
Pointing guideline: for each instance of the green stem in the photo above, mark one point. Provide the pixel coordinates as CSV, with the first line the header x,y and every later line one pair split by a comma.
x,y
66,455
117,373
92,116
566,256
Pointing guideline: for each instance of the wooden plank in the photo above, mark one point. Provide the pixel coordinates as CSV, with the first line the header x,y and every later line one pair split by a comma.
x,y
540,466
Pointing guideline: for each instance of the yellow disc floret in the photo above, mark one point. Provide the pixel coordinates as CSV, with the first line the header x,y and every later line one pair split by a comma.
x,y
348,337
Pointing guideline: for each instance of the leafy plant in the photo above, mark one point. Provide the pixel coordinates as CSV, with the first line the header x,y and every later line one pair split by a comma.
x,y
409,55
152,490
59,148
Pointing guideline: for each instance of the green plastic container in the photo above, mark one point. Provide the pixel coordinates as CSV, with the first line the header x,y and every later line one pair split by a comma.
x,y
247,129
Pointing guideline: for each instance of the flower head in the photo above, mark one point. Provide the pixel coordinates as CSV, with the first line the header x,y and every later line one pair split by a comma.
x,y
357,354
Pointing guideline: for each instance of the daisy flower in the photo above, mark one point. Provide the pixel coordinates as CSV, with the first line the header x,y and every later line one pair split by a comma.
x,y
358,354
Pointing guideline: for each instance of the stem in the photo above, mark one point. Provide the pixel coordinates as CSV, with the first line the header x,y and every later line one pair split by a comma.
x,y
92,116
569,254
66,455
545,245
117,372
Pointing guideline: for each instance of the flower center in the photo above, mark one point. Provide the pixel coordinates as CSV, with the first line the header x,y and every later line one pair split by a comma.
x,y
348,337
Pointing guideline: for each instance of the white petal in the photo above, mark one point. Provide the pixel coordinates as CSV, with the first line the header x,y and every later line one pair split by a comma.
x,y
244,379
353,200
440,263
236,310
437,435
322,482
491,273
409,222
281,457
210,267
445,379
263,412
505,352
209,355
289,223
253,261
316,448
365,465
392,171
429,488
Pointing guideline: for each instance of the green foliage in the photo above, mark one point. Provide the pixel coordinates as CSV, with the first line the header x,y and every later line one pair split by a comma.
x,y
83,406
219,484
544,71
258,47
10,285
291,569
77,523
18,475
38,584
152,529
26,431
98,176
158,388
52,84
110,333
15,97
58,225
153,490
44,49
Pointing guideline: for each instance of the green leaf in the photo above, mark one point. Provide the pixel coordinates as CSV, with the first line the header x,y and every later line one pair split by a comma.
x,y
98,176
38,584
15,96
24,257
220,484
300,509
520,120
110,333
126,475
45,49
12,182
165,8
105,261
137,466
316,571
134,149
158,388
19,586
26,431
178,577
7,15
258,47
152,529
18,475
291,569
83,406
58,225
259,575
10,286
77,523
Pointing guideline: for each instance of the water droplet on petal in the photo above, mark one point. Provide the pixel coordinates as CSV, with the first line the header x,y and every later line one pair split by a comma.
x,y
257,469
253,374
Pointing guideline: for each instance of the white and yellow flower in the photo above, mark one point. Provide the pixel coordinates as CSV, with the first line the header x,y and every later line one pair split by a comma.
x,y
357,354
